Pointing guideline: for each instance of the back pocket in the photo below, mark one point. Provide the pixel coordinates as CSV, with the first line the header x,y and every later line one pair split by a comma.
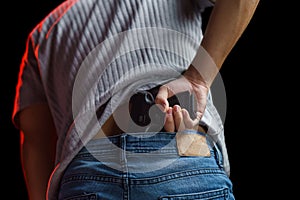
x,y
212,194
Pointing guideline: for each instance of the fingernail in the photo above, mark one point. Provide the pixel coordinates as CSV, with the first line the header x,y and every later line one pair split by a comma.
x,y
169,112
176,108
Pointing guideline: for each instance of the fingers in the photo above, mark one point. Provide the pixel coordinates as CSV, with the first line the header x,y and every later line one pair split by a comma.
x,y
161,98
169,125
188,122
178,118
183,120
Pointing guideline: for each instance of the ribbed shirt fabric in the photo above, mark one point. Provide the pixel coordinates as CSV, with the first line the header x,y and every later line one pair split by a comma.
x,y
89,52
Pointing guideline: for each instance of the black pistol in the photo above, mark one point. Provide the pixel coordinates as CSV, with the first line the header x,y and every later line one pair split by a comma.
x,y
149,117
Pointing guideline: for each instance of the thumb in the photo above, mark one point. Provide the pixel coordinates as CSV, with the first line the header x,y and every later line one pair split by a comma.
x,y
161,98
201,102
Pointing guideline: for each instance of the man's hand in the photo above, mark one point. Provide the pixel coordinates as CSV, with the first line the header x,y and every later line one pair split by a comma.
x,y
190,81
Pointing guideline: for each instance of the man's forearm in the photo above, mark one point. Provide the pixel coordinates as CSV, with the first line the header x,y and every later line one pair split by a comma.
x,y
38,144
38,162
228,20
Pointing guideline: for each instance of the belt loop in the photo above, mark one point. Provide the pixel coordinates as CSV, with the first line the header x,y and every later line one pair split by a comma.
x,y
219,156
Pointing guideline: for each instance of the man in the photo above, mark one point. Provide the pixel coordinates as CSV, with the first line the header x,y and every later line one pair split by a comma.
x,y
60,73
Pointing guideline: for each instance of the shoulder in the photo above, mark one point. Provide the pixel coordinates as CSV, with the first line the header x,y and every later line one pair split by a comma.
x,y
46,25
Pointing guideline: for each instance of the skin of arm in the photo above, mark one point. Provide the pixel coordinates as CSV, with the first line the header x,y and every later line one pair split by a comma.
x,y
37,148
227,22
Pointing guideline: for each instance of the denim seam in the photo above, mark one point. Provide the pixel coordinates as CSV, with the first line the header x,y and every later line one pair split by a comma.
x,y
176,176
123,161
84,177
215,194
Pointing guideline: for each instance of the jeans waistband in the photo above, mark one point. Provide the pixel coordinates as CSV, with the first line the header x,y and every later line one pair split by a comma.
x,y
142,142
151,150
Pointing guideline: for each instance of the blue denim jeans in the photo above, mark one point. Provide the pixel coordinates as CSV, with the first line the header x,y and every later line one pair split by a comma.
x,y
144,167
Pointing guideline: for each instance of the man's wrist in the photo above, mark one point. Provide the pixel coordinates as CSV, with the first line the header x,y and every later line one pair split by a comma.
x,y
205,66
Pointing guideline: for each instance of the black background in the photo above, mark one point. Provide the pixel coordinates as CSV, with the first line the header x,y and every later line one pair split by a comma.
x,y
249,75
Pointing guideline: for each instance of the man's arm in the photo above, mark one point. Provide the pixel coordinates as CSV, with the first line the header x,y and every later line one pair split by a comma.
x,y
38,144
227,22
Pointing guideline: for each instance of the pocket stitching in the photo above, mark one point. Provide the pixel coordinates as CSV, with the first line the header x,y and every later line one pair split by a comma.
x,y
200,195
